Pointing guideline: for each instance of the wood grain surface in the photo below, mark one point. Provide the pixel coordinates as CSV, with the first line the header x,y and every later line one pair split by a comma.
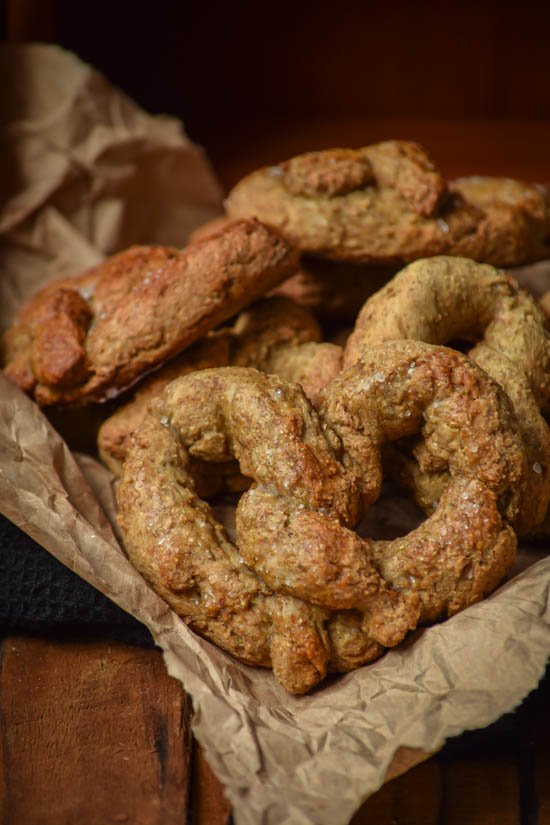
x,y
97,732
91,733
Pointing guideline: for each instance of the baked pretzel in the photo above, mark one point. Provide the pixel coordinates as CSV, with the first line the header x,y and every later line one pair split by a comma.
x,y
87,338
300,591
439,300
274,335
387,204
466,546
333,290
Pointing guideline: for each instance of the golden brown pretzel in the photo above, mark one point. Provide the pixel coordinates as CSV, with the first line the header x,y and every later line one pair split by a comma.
x,y
387,203
300,590
87,338
438,300
173,538
274,335
465,548
333,290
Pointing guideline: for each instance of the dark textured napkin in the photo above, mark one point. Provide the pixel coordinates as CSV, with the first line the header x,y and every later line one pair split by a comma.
x,y
38,594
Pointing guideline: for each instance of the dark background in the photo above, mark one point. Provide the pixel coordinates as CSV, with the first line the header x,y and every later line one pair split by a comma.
x,y
204,61
250,79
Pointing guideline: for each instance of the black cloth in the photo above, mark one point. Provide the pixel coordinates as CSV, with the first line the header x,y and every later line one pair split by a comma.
x,y
39,595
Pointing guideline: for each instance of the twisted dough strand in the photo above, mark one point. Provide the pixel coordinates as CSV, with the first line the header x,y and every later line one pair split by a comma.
x,y
438,300
300,590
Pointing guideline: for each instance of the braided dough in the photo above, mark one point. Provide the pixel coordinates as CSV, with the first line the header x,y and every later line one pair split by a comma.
x,y
438,300
87,338
387,203
300,591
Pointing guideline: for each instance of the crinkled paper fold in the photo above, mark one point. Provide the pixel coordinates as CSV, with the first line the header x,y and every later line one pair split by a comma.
x,y
86,172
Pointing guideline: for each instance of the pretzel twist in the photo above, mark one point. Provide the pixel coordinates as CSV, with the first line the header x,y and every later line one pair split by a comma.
x,y
275,335
89,337
439,300
389,204
299,590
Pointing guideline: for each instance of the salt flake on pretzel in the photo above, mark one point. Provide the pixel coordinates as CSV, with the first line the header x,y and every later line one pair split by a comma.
x,y
300,591
465,548
173,538
438,300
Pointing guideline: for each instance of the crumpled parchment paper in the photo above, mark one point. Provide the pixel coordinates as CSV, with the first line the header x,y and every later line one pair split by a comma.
x,y
92,174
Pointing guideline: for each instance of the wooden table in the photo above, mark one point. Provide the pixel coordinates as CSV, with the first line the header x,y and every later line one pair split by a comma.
x,y
96,732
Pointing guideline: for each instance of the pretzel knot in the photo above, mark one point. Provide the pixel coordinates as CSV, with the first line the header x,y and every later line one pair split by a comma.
x,y
299,590
441,299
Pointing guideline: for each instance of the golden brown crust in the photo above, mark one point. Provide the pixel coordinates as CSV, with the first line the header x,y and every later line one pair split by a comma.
x,y
274,335
311,365
466,547
442,299
173,538
333,290
300,590
115,432
516,220
388,204
87,338
310,175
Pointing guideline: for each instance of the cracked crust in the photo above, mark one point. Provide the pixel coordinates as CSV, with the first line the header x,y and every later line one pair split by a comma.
x,y
299,590
388,204
439,300
274,335
466,546
333,290
173,538
89,337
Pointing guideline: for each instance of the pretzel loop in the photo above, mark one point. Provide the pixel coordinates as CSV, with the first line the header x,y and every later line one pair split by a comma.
x,y
299,590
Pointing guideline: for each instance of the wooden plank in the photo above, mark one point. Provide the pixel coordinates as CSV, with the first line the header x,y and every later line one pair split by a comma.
x,y
91,733
458,147
480,792
377,810
542,777
30,20
405,759
535,752
209,806
416,795
411,799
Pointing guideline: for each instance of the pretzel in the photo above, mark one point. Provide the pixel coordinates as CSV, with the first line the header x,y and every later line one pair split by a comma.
x,y
442,299
465,548
87,338
274,335
333,290
388,204
300,591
